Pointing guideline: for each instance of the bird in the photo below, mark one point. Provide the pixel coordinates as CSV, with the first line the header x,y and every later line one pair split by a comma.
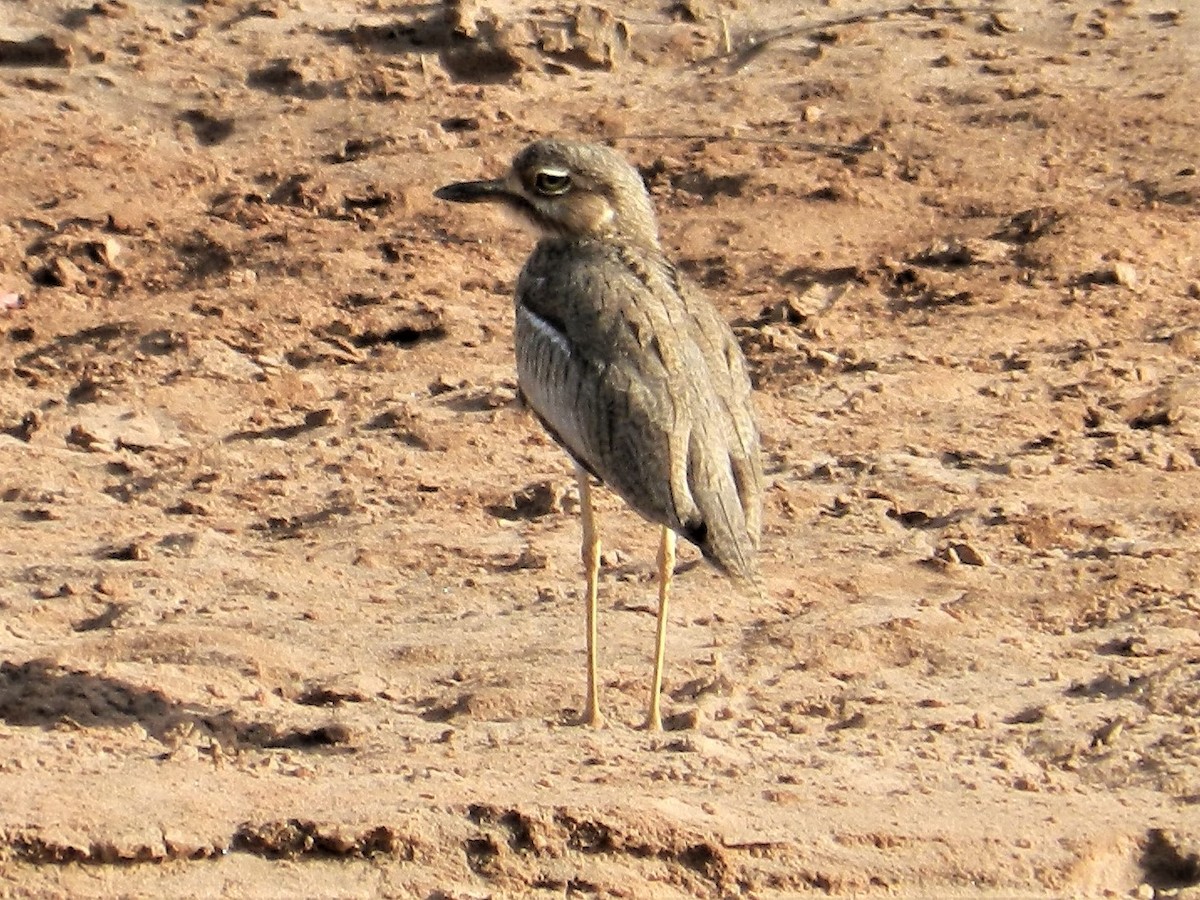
x,y
630,369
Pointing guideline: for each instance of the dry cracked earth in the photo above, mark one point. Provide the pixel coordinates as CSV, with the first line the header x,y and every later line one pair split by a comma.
x,y
290,585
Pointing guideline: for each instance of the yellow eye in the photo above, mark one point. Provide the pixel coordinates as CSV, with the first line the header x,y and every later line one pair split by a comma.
x,y
552,182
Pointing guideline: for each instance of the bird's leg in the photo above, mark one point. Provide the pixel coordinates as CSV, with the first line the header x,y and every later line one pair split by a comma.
x,y
666,571
591,564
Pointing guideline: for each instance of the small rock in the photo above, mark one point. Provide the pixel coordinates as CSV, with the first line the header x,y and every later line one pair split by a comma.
x,y
1176,406
1186,341
105,251
61,272
1030,715
48,592
963,553
216,359
30,422
610,559
688,720
181,544
998,24
542,498
528,558
111,9
104,428
42,50
319,418
129,218
444,384
500,396
1124,274
113,586
366,559
690,11
1108,734
952,252
134,551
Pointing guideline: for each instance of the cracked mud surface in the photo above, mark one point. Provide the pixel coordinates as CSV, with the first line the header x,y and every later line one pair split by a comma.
x,y
291,586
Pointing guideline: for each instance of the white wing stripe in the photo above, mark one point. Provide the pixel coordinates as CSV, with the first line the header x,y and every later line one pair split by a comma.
x,y
547,330
545,373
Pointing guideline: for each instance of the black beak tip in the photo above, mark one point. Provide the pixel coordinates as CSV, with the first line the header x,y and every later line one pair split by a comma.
x,y
448,192
471,191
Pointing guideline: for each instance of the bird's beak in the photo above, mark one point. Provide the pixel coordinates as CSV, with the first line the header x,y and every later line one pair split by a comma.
x,y
474,191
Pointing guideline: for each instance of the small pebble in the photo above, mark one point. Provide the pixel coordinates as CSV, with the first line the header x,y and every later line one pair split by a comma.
x,y
1124,274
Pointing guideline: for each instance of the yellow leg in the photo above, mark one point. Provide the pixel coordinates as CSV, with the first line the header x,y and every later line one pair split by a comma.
x,y
591,564
666,570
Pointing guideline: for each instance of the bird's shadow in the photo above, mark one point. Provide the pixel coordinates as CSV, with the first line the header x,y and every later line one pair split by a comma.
x,y
43,694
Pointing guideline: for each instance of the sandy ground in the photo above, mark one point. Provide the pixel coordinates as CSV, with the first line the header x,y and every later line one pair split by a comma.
x,y
291,587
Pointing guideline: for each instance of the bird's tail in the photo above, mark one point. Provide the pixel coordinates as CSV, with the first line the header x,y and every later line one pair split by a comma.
x,y
726,540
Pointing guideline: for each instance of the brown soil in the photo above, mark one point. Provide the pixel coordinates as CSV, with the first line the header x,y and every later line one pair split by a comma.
x,y
291,586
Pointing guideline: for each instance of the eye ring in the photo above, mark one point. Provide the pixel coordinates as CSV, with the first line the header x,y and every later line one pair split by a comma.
x,y
552,182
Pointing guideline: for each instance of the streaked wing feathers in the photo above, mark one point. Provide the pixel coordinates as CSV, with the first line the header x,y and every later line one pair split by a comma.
x,y
644,385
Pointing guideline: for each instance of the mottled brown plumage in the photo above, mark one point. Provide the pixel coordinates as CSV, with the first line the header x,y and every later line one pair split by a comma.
x,y
631,370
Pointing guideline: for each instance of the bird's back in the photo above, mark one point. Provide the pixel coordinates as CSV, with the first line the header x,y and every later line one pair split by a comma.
x,y
643,383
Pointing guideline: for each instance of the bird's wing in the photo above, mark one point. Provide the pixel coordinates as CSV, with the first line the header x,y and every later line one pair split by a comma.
x,y
613,363
727,366
603,403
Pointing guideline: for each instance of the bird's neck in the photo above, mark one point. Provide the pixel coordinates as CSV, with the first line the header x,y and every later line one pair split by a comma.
x,y
643,238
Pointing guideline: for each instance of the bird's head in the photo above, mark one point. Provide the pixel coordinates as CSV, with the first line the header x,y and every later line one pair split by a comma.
x,y
568,189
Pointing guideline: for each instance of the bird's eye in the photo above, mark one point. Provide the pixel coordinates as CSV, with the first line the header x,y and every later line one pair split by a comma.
x,y
552,182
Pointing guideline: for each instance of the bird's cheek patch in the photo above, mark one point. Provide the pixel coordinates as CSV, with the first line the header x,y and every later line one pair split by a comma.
x,y
589,213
